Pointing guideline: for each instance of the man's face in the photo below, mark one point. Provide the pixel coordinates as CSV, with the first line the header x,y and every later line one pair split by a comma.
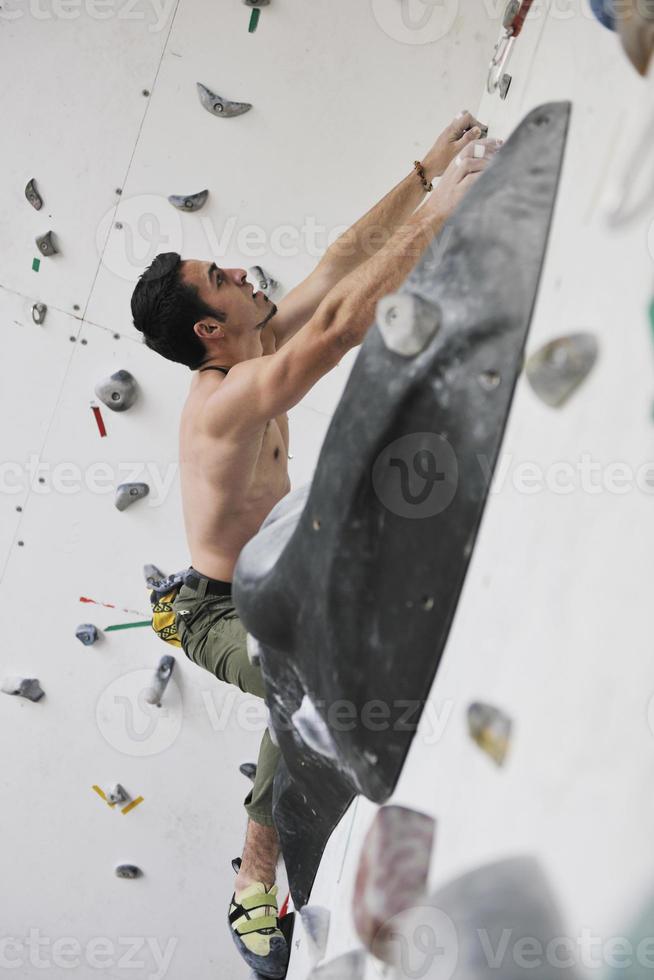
x,y
229,291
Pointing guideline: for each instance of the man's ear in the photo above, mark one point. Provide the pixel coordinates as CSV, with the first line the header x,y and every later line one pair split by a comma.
x,y
209,329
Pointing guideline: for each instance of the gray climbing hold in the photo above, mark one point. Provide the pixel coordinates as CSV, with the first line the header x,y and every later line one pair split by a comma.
x,y
313,730
256,3
33,195
117,794
162,675
128,493
406,322
254,650
392,874
491,729
153,576
561,366
350,966
189,202
118,392
249,770
263,280
87,633
128,871
316,920
47,244
28,688
39,311
218,106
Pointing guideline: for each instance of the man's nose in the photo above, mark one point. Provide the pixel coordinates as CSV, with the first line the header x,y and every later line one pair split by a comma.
x,y
238,275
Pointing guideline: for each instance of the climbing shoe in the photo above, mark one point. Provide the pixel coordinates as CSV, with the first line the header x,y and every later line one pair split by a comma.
x,y
254,925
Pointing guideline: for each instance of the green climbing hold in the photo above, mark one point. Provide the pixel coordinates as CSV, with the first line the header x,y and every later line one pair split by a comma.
x,y
651,314
36,265
254,19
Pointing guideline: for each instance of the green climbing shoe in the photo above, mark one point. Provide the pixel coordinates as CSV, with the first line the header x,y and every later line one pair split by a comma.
x,y
254,925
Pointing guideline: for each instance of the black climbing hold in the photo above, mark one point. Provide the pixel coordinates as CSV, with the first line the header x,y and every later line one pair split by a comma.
x,y
346,645
219,106
87,633
189,202
128,493
236,864
47,244
33,196
248,769
28,688
128,871
162,675
118,392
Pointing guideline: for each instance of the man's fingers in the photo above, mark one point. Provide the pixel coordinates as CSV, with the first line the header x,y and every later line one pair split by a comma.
x,y
480,148
463,122
469,137
471,165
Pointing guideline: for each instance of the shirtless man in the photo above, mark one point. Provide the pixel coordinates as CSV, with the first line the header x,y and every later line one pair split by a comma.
x,y
252,363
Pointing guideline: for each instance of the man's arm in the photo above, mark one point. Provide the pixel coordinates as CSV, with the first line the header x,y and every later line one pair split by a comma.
x,y
262,388
372,232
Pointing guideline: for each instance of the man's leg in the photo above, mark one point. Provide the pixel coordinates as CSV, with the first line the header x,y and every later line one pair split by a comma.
x,y
216,639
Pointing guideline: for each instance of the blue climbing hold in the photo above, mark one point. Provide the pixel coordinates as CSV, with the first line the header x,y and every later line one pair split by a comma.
x,y
604,10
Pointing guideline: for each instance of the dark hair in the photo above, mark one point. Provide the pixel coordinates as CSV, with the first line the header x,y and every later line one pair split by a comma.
x,y
165,310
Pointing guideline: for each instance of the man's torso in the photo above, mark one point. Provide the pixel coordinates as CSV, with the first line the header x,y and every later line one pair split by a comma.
x,y
229,486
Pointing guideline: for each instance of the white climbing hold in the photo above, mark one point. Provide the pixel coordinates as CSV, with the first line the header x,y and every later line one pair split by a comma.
x,y
350,966
263,280
392,875
28,688
254,650
316,920
118,392
407,323
128,493
313,730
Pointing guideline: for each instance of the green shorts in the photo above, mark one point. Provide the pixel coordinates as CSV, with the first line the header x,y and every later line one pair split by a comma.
x,y
213,637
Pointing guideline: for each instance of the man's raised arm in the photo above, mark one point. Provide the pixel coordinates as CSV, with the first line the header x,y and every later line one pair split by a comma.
x,y
372,232
260,389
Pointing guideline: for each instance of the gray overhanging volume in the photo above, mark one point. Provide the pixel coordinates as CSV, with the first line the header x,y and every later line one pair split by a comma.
x,y
350,588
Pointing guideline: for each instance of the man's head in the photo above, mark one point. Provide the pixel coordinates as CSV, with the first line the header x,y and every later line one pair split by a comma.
x,y
193,312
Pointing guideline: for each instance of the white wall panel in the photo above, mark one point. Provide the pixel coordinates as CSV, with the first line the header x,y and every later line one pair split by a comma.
x,y
72,105
553,622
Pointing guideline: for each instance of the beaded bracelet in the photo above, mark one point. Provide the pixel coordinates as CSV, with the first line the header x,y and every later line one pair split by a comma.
x,y
420,170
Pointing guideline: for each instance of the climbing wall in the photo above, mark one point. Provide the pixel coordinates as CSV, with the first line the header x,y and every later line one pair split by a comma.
x,y
99,107
535,751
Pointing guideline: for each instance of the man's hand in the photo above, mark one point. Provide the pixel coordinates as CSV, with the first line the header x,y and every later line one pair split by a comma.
x,y
466,168
460,133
